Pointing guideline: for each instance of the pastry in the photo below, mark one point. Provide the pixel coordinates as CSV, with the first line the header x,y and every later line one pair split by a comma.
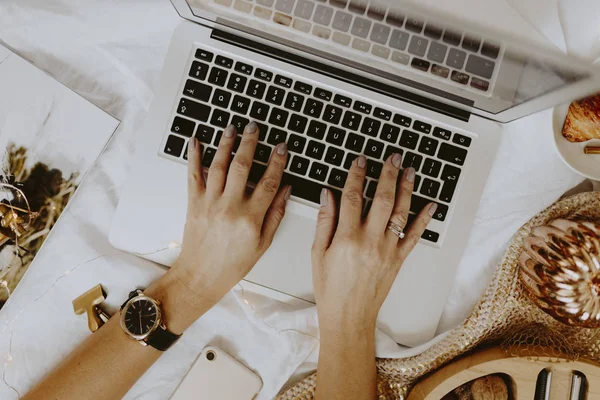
x,y
583,120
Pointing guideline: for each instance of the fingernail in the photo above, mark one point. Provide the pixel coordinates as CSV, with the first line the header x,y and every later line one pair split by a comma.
x,y
288,193
281,149
397,160
432,209
410,174
361,162
229,132
192,145
324,198
252,128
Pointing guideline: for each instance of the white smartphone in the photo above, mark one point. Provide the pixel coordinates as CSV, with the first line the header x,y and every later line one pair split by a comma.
x,y
217,375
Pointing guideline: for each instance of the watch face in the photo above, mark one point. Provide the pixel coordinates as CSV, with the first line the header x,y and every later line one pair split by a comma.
x,y
141,317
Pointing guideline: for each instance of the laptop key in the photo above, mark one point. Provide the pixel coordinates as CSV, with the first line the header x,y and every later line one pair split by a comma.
x,y
239,123
419,64
480,84
298,123
395,18
456,58
442,133
299,165
323,15
412,160
307,190
205,133
430,236
430,188
283,81
218,76
421,127
224,62
315,150
440,71
220,118
374,149
338,178
401,120
318,171
323,94
371,127
257,171
350,157
204,55
416,182
342,21
313,108
174,146
221,98
380,33
279,117
374,169
304,9
399,40
275,95
285,6
490,50
197,90
342,100
371,189
362,107
414,25
334,156
452,154
294,102
389,150
471,43
382,114
355,143
460,77
244,68
462,140
351,121
452,37
296,144
237,83
418,203
262,131
303,87
332,114
262,153
361,27
199,70
183,126
390,133
437,52
336,136
208,157
259,111
480,66
240,104
433,32
256,89
450,176
193,110
418,46
316,129
428,146
263,75
277,136
409,139
432,168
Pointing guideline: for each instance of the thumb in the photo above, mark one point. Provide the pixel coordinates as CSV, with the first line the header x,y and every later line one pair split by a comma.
x,y
326,224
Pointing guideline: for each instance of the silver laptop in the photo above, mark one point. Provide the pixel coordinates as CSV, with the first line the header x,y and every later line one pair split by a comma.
x,y
335,79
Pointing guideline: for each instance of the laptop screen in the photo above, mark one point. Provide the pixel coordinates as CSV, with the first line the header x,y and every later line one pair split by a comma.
x,y
428,53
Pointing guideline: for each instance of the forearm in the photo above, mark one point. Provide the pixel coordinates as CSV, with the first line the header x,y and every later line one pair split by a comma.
x,y
108,363
346,368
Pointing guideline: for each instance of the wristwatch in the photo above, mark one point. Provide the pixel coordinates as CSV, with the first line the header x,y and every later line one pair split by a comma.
x,y
141,319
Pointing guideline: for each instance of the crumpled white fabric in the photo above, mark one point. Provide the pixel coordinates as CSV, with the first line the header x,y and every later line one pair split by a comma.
x,y
111,52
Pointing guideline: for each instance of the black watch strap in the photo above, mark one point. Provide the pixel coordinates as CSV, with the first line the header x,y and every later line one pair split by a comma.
x,y
161,339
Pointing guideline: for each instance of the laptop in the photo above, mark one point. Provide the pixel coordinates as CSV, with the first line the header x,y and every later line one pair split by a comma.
x,y
335,79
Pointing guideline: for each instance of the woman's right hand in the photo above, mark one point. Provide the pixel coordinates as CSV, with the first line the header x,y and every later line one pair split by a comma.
x,y
356,260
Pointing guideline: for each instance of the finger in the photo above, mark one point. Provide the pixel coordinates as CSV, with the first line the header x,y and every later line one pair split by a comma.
x,y
237,180
326,224
385,197
416,230
196,184
403,198
220,165
352,198
274,216
267,187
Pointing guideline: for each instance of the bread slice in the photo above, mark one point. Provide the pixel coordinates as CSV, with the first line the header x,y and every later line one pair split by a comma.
x,y
583,121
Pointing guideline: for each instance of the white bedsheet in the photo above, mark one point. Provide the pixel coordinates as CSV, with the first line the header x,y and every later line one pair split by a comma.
x,y
111,52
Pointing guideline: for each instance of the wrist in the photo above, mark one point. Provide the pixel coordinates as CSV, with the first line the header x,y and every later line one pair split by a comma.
x,y
181,305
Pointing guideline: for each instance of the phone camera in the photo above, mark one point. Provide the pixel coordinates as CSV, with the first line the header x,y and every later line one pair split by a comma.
x,y
210,356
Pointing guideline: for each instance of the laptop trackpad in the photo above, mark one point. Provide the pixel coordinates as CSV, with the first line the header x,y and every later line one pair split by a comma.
x,y
286,267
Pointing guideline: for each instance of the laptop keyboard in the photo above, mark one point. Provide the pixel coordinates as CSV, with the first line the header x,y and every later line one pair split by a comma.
x,y
461,59
324,131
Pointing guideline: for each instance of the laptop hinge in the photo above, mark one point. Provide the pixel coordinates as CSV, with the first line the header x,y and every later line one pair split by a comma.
x,y
346,76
